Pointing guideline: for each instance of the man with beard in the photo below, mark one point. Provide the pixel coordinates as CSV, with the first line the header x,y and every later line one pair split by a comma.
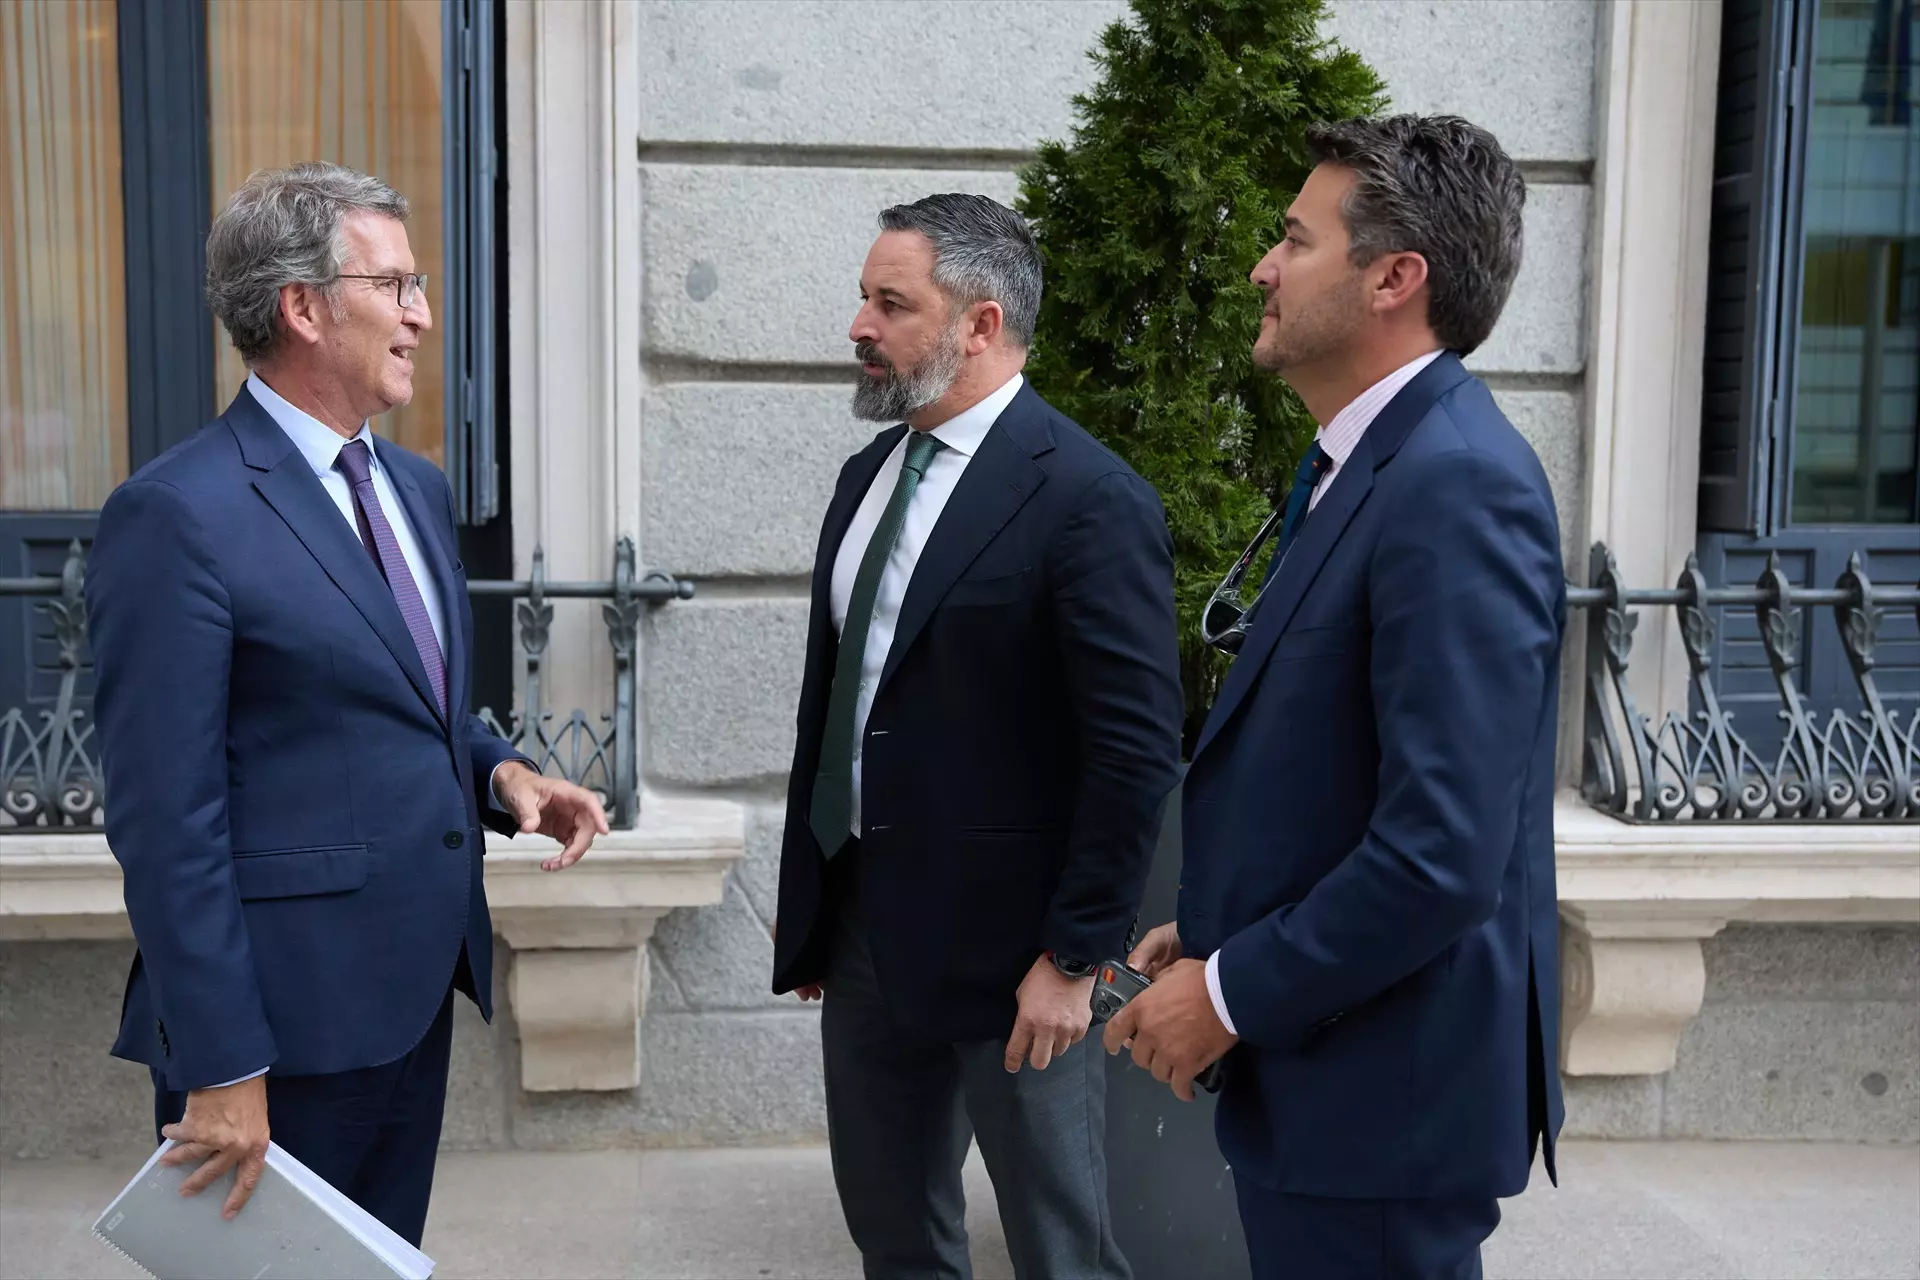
x,y
1367,925
989,724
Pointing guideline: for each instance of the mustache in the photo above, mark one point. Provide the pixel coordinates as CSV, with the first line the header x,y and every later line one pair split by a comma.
x,y
867,353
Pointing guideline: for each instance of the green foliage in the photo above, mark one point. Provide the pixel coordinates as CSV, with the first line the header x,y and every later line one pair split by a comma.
x,y
1183,160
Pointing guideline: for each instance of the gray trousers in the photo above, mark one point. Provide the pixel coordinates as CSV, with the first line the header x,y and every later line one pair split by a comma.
x,y
900,1112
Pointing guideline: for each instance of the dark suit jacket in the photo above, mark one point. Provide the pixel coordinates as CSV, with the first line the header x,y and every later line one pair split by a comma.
x,y
1024,736
1368,821
295,819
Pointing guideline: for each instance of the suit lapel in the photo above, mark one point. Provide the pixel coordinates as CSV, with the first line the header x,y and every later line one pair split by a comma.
x,y
1376,448
997,483
427,532
1282,597
854,484
291,489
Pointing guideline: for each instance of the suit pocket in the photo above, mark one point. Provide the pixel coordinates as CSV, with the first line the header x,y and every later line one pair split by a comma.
x,y
297,873
972,592
1319,642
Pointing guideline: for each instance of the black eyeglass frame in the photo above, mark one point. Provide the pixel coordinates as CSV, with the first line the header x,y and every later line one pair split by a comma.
x,y
409,285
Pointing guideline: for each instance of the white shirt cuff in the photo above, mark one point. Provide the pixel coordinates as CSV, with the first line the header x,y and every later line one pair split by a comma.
x,y
493,794
1213,993
242,1080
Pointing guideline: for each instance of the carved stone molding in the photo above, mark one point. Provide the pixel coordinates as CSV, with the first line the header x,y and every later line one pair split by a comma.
x,y
1638,899
1626,1000
578,1012
578,982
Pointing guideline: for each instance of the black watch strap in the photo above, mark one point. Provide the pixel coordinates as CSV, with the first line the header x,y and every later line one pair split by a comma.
x,y
1070,966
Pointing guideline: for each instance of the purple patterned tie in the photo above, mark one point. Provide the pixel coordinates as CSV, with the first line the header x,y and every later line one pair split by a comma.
x,y
356,461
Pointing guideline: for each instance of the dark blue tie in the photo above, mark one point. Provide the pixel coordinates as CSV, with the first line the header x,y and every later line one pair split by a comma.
x,y
1312,468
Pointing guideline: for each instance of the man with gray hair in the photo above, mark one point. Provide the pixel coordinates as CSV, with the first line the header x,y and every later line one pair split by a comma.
x,y
294,784
989,723
1367,926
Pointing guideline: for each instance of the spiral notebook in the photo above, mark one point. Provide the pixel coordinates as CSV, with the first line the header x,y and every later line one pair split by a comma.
x,y
295,1226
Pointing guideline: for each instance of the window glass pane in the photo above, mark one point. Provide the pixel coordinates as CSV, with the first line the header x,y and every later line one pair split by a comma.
x,y
1858,366
356,82
63,360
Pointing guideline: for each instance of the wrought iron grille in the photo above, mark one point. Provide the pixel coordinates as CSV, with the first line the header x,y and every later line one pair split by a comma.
x,y
1859,764
50,774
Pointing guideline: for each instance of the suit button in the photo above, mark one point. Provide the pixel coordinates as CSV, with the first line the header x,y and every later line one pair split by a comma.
x,y
453,839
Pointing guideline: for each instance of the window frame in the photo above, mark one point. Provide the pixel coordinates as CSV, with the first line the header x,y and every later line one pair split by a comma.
x,y
1741,525
1762,506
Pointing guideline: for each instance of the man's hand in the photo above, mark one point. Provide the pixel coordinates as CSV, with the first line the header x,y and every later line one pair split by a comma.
x,y
806,991
1160,948
222,1128
1172,1026
550,807
1055,1011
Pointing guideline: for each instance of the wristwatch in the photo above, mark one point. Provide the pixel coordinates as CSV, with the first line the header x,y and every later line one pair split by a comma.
x,y
1071,967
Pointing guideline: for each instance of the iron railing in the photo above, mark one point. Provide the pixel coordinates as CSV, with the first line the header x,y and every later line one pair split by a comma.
x,y
1861,764
50,774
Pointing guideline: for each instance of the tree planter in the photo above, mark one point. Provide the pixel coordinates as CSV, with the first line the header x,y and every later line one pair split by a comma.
x,y
1174,1212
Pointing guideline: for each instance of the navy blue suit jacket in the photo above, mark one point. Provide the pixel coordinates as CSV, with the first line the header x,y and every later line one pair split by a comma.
x,y
1023,738
1369,821
295,819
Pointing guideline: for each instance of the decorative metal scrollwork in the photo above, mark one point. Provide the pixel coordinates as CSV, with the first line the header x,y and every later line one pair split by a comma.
x,y
1862,765
49,770
50,774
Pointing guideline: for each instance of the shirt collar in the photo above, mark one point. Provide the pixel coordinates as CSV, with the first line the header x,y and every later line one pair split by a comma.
x,y
319,443
964,432
1341,436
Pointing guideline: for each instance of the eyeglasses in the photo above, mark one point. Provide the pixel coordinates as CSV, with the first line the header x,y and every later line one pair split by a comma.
x,y
406,288
1224,623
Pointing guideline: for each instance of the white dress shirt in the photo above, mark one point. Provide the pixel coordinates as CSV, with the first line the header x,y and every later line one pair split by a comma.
x,y
1339,439
962,436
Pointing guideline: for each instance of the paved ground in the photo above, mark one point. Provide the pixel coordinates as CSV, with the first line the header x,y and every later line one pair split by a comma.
x,y
1659,1211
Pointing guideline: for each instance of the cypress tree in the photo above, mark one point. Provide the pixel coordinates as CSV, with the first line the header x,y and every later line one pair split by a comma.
x,y
1184,157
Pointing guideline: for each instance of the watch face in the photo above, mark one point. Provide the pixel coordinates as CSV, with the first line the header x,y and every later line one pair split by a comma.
x,y
1071,967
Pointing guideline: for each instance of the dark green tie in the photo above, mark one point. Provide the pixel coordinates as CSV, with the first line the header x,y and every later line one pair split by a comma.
x,y
832,815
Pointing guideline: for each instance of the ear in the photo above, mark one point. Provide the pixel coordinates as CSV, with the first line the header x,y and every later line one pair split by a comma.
x,y
304,312
1397,278
982,327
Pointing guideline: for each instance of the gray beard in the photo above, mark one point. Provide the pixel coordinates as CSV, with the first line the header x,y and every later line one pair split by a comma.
x,y
899,396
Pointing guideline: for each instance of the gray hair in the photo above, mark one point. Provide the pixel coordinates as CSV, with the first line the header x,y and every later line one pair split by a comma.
x,y
1440,187
982,252
284,227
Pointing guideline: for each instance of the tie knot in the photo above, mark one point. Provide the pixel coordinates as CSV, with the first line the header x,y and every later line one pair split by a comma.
x,y
356,460
1313,465
921,446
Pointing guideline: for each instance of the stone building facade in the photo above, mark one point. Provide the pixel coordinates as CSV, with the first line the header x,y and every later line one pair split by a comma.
x,y
691,186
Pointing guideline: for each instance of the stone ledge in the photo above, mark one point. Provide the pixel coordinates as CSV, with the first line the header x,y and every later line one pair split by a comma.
x,y
1637,899
578,983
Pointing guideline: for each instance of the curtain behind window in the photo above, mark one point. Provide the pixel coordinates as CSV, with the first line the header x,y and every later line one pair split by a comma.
x,y
355,82
63,378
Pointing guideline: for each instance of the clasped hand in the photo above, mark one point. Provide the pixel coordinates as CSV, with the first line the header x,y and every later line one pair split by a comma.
x,y
1171,1027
